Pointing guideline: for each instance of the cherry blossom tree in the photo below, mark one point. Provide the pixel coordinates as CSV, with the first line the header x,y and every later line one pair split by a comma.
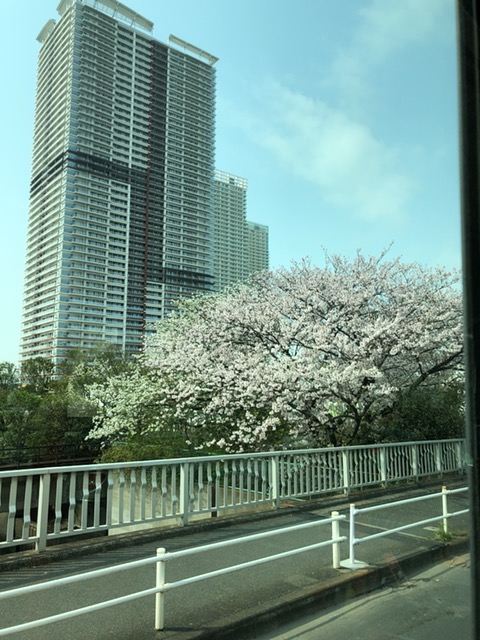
x,y
303,356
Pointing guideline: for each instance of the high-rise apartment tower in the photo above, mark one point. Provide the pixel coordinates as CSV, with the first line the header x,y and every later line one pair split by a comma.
x,y
121,201
257,258
240,246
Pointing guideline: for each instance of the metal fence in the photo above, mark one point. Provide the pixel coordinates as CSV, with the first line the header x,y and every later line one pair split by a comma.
x,y
353,563
39,506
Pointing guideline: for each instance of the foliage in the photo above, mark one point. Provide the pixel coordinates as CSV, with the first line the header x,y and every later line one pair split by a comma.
x,y
307,355
87,366
37,374
8,376
424,413
46,416
448,536
155,447
16,409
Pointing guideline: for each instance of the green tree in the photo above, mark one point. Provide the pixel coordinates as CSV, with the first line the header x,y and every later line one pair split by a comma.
x,y
8,376
17,409
47,416
425,413
37,374
87,366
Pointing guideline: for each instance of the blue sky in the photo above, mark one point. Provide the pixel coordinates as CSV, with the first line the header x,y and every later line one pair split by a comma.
x,y
341,115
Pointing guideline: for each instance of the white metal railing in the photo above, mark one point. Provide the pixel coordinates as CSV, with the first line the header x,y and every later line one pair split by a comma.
x,y
353,563
40,505
161,586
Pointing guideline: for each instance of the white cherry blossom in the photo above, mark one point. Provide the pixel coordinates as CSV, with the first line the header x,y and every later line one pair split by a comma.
x,y
302,355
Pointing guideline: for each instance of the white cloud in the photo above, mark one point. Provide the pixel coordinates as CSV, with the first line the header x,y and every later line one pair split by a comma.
x,y
384,28
332,141
353,169
390,25
346,145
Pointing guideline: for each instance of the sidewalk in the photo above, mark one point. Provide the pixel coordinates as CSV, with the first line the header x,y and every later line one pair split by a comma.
x,y
239,605
434,603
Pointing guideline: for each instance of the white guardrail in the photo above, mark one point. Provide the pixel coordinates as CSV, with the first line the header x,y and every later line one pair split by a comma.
x,y
353,563
38,506
162,587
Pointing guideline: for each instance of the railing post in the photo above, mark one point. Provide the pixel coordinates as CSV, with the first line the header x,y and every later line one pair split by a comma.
x,y
42,511
445,509
438,459
335,545
346,470
351,541
461,456
109,507
84,504
275,480
12,509
383,465
184,492
160,596
351,563
414,461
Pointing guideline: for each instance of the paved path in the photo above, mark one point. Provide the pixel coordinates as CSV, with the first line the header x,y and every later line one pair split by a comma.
x,y
237,605
434,603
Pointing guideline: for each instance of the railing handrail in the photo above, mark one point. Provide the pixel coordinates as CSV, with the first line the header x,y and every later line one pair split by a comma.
x,y
216,458
397,503
250,538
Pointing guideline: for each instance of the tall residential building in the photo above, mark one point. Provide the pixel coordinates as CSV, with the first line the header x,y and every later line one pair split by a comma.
x,y
230,205
257,258
121,201
240,246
